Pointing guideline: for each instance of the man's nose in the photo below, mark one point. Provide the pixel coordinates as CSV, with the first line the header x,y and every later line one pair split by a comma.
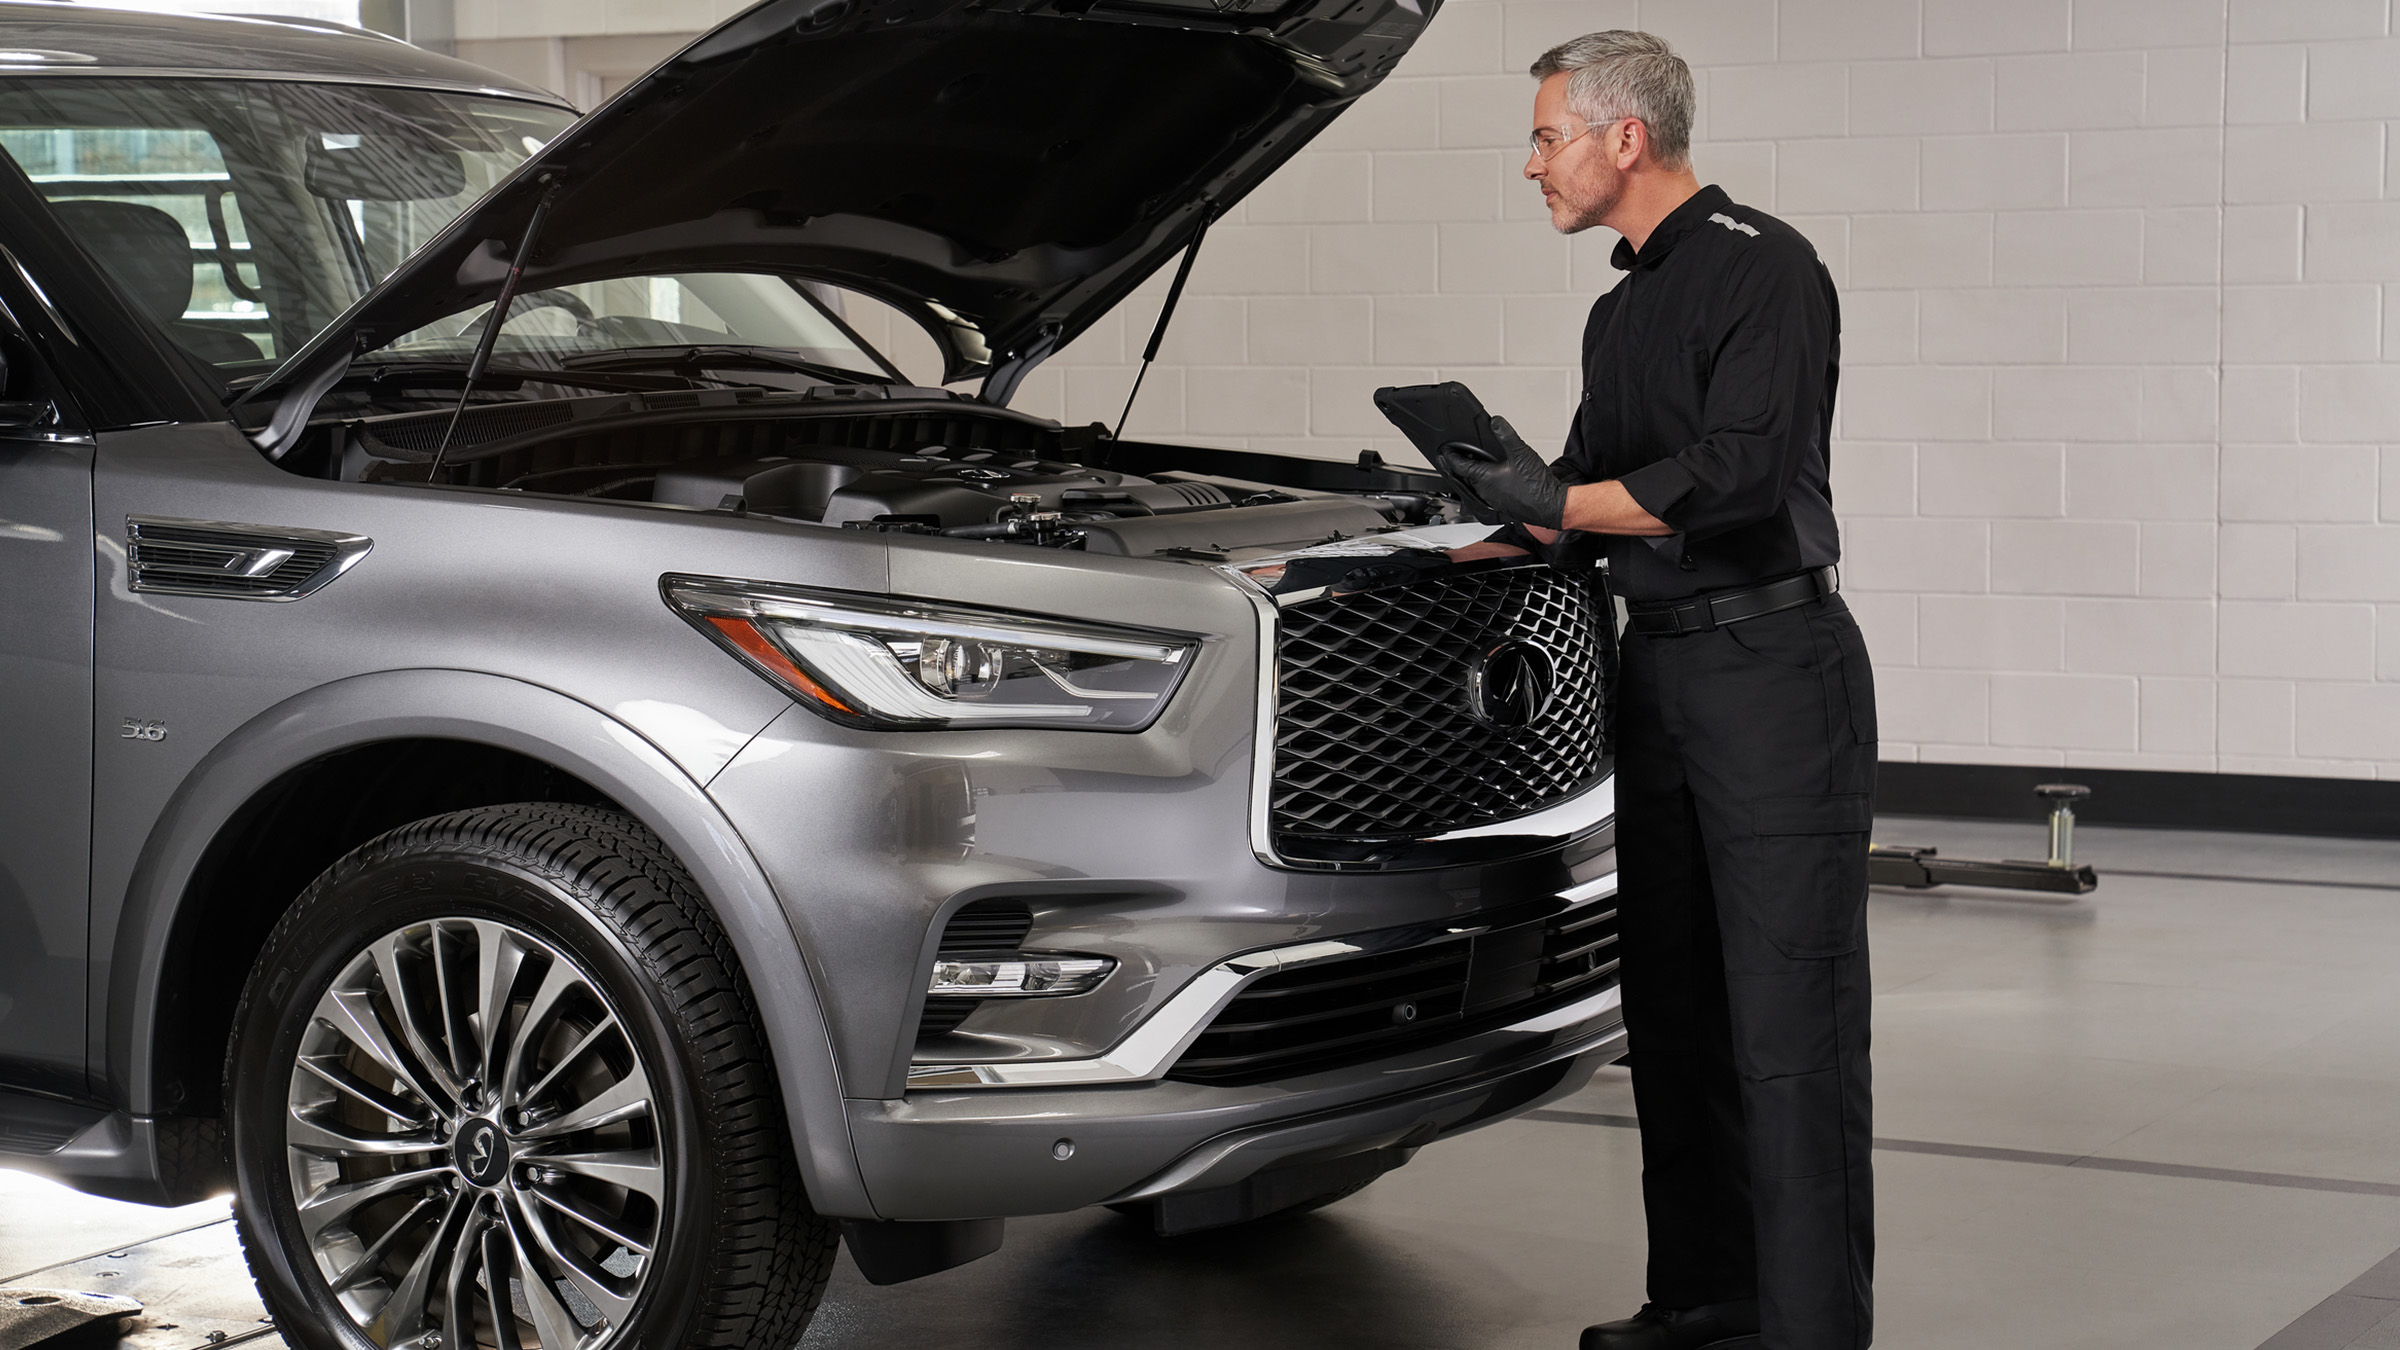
x,y
1533,165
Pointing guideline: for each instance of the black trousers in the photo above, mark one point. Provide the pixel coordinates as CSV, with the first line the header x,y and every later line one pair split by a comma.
x,y
1746,780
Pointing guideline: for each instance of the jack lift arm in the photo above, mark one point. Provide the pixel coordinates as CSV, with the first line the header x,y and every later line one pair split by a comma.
x,y
1920,868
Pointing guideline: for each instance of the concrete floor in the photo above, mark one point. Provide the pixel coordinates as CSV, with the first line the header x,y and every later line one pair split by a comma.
x,y
2166,1115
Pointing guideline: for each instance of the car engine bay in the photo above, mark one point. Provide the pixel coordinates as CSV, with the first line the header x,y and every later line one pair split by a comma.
x,y
881,459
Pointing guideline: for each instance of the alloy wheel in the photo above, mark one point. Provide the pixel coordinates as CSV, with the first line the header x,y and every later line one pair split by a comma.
x,y
473,1145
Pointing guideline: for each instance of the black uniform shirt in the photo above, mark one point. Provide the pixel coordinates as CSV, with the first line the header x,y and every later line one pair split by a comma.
x,y
1708,391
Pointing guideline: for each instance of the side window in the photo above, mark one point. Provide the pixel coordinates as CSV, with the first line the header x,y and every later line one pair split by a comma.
x,y
155,206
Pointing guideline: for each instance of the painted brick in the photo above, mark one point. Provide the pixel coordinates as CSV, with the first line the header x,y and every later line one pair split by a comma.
x,y
2275,324
1745,169
2349,403
2388,487
2150,324
2257,562
2254,717
1879,328
2298,482
1751,103
2067,248
2266,85
1916,403
1463,39
2151,167
1921,556
1252,260
1890,625
2100,712
1438,185
1920,251
2179,559
2387,640
1933,705
1846,175
1487,112
1874,478
1991,173
2179,403
2141,637
1493,259
1246,401
2348,562
1531,27
1967,27
1208,330
1543,328
2179,716
2101,24
1986,481
2284,21
1438,329
2314,162
2295,641
2141,482
2262,243
2181,244
2354,721
1992,327
2354,80
1920,98
1846,30
1830,235
1398,114
1715,32
1316,186
2184,87
1305,330
1370,259
1988,632
2352,241
2078,92
1341,402
2262,403
2067,403
2065,557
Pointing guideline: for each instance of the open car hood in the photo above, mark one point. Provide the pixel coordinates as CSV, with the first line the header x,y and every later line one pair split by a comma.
x,y
1002,172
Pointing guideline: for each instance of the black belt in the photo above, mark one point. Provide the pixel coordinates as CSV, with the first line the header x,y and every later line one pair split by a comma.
x,y
1674,618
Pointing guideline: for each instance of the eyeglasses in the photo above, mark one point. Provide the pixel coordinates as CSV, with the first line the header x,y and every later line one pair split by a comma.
x,y
1546,143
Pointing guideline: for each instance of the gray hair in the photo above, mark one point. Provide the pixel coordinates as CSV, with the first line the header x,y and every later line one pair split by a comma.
x,y
1623,73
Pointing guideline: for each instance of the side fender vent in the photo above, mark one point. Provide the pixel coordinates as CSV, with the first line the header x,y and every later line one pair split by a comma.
x,y
168,556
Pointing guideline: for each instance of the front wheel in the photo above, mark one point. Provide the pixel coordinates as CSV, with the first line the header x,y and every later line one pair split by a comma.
x,y
495,1081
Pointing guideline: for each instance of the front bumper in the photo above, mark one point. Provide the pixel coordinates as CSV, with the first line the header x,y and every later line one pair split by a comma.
x,y
990,1153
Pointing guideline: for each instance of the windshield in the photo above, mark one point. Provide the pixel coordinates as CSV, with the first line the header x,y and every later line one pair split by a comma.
x,y
242,216
659,321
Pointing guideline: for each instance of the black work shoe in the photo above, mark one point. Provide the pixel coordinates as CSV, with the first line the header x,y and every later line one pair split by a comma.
x,y
1714,1326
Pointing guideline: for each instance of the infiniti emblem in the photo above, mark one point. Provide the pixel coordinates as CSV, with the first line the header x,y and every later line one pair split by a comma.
x,y
481,1154
1511,684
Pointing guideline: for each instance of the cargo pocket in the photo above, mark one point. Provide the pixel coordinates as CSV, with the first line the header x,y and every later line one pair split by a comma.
x,y
1813,879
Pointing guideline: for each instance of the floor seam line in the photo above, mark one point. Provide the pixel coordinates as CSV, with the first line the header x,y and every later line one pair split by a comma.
x,y
2095,1162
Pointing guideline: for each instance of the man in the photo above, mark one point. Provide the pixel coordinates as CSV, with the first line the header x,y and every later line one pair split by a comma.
x,y
1746,720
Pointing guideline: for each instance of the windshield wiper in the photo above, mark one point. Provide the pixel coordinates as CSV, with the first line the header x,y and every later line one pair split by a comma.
x,y
700,358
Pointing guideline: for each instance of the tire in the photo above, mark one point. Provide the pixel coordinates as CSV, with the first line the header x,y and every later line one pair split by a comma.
x,y
621,1138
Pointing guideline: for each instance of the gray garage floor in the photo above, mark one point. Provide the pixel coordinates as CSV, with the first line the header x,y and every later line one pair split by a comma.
x,y
2167,1115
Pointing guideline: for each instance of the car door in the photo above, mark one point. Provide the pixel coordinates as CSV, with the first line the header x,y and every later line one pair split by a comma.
x,y
46,599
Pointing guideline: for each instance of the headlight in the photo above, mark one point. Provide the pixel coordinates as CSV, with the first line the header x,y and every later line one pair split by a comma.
x,y
901,664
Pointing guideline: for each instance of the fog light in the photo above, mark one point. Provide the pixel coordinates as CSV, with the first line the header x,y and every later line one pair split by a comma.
x,y
1020,976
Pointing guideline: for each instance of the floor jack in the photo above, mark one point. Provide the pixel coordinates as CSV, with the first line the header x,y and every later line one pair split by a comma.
x,y
1919,868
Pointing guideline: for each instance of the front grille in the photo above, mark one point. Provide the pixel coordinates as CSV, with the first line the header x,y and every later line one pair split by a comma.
x,y
1375,738
1348,1011
991,927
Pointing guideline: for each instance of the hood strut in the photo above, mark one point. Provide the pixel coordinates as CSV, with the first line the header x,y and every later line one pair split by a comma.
x,y
493,325
1166,313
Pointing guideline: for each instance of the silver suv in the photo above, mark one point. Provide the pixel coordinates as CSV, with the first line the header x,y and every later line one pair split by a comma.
x,y
541,759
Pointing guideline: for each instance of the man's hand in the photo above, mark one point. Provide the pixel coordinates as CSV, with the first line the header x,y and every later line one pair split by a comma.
x,y
1519,486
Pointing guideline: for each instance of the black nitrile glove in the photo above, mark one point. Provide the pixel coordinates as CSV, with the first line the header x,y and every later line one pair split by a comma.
x,y
1520,487
1499,477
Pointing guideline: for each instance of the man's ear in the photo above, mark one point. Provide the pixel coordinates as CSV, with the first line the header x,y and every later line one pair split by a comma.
x,y
1632,139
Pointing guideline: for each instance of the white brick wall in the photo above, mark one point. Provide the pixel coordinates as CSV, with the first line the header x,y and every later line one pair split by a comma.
x,y
2119,445
2118,453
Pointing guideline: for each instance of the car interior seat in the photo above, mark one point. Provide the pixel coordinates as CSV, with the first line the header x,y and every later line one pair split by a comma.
x,y
147,252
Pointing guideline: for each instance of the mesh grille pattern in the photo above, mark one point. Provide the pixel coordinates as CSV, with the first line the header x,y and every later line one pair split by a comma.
x,y
1348,1011
1374,738
982,928
206,560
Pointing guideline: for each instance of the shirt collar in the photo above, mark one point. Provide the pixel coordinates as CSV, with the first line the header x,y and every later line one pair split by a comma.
x,y
1679,222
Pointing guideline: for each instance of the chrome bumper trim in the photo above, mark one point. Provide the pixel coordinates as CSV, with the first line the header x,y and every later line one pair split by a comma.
x,y
1152,1048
